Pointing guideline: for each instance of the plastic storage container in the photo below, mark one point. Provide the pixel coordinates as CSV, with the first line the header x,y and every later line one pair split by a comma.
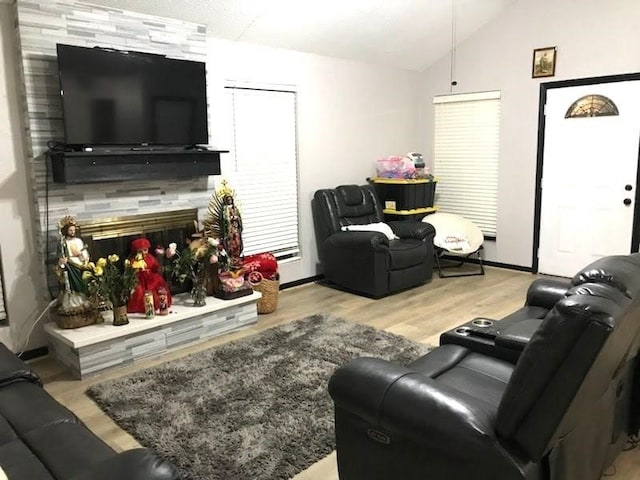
x,y
405,194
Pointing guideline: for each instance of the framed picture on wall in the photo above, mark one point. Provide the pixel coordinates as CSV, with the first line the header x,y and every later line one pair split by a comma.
x,y
544,62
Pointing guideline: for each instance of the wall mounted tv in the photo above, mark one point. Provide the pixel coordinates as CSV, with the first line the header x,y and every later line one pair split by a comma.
x,y
113,97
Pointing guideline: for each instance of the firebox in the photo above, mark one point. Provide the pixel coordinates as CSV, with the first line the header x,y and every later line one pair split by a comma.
x,y
114,235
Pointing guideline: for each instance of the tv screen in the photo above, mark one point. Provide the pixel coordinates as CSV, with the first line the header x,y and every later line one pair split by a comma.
x,y
112,97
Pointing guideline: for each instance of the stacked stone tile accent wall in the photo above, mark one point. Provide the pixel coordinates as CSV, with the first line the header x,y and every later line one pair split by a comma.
x,y
42,24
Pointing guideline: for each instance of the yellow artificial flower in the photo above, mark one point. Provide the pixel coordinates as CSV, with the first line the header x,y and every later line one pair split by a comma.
x,y
113,258
86,275
102,262
98,271
138,262
91,265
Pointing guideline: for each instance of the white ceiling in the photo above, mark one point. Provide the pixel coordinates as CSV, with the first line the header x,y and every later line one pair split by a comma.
x,y
409,34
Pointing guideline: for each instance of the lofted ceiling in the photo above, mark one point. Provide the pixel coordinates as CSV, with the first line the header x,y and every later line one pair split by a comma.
x,y
408,34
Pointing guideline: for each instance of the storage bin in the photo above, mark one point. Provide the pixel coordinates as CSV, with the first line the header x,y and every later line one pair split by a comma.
x,y
405,194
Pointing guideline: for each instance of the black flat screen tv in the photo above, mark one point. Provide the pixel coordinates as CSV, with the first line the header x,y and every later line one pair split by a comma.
x,y
113,97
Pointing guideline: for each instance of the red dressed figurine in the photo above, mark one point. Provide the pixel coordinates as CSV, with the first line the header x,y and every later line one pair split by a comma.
x,y
149,278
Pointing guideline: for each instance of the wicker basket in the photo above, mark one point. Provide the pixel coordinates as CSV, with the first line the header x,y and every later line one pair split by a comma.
x,y
269,290
78,320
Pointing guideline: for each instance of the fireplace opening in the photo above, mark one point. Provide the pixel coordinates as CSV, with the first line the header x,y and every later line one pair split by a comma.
x,y
114,235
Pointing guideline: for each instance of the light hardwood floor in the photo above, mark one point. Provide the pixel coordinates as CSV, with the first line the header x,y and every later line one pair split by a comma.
x,y
420,314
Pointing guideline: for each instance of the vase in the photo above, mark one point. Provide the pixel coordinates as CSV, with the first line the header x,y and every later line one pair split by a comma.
x,y
199,290
120,315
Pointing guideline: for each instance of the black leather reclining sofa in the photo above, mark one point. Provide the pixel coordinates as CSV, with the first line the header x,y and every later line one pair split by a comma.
x,y
548,395
42,440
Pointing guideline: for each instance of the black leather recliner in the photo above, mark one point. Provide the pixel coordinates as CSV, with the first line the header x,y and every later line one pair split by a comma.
x,y
559,413
368,262
506,338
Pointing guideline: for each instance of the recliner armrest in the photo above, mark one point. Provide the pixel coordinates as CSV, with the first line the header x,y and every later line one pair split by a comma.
x,y
136,464
517,336
357,240
395,398
546,292
412,229
13,369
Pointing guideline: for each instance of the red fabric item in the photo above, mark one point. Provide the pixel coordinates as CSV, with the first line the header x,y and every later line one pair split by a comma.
x,y
150,279
265,263
140,244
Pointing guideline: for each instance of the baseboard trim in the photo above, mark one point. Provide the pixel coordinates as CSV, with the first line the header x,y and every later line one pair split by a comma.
x,y
488,263
35,353
301,281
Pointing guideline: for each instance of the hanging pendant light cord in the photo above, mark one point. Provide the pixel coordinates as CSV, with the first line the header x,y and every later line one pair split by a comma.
x,y
452,82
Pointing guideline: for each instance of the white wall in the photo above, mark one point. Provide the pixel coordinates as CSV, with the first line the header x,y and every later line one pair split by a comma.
x,y
594,38
349,114
24,287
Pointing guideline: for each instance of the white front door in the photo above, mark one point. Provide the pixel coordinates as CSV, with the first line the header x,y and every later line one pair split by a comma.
x,y
588,178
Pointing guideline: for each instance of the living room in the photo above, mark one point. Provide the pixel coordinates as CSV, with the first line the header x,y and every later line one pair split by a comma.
x,y
363,100
350,114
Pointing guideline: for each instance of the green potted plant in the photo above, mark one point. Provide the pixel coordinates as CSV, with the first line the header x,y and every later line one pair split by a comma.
x,y
109,282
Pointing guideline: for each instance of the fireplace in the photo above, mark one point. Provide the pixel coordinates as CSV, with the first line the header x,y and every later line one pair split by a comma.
x,y
114,235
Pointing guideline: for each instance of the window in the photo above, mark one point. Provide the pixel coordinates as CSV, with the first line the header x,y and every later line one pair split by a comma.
x,y
466,149
592,106
262,168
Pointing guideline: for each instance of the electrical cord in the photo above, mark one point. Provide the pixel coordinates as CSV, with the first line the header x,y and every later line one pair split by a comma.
x,y
33,326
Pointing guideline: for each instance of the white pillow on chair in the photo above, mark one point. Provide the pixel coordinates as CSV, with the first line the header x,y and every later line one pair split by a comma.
x,y
372,227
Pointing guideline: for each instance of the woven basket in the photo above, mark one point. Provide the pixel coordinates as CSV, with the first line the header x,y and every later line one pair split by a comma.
x,y
269,290
78,320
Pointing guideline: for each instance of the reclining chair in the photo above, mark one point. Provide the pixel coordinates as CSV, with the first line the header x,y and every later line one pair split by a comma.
x,y
368,262
559,413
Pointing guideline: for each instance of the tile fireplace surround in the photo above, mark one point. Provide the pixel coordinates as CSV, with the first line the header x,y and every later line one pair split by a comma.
x,y
96,348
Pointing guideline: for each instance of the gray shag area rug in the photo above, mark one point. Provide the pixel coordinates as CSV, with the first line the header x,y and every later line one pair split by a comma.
x,y
252,409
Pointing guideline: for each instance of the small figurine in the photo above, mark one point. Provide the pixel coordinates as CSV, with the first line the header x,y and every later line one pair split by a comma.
x,y
163,305
149,277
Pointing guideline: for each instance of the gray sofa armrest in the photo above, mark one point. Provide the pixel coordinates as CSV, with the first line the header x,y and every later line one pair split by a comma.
x,y
136,464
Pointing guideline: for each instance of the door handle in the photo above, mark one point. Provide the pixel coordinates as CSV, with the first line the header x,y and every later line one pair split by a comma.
x,y
627,201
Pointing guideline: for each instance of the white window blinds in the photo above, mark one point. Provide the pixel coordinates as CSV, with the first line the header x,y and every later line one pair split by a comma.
x,y
262,168
466,149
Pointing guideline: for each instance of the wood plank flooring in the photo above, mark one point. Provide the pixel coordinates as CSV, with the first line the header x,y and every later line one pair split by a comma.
x,y
420,314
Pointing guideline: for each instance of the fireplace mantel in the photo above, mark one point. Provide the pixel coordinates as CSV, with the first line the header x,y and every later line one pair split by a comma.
x,y
113,165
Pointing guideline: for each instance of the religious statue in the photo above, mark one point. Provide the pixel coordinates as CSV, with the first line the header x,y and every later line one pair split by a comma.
x,y
149,279
75,308
224,223
231,231
74,257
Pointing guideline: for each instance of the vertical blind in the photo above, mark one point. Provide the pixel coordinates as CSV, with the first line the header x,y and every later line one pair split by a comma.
x,y
466,151
262,168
